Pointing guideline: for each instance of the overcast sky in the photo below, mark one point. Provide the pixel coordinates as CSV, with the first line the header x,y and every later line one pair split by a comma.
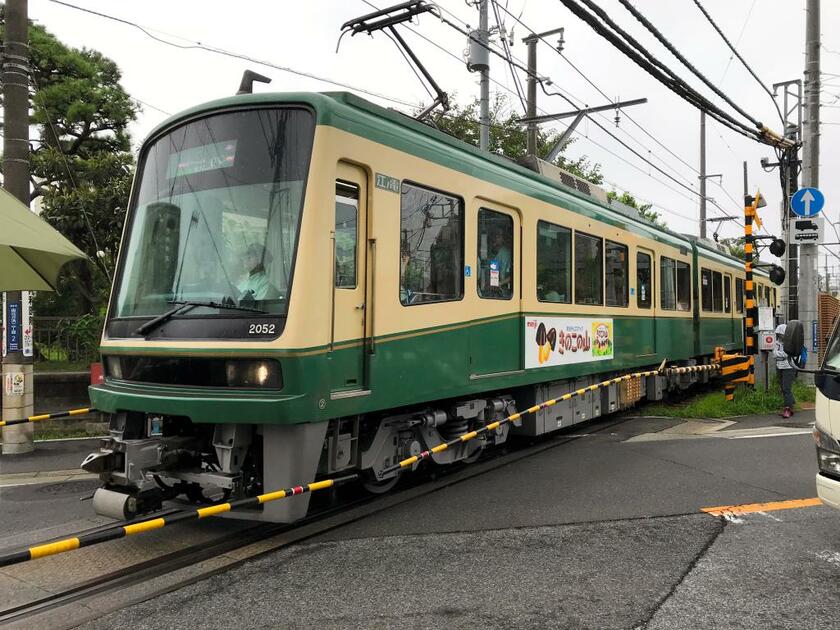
x,y
302,36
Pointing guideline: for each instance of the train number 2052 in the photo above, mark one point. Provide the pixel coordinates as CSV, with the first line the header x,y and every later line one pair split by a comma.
x,y
261,329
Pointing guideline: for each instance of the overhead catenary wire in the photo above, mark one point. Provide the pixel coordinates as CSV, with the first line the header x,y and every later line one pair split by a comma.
x,y
737,41
541,81
621,142
673,50
643,58
196,45
601,92
738,55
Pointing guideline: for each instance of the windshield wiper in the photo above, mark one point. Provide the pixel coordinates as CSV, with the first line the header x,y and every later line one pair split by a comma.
x,y
182,306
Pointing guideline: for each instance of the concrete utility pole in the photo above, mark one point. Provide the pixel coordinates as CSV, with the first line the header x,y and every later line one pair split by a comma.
x,y
531,42
810,175
792,108
702,174
17,439
484,96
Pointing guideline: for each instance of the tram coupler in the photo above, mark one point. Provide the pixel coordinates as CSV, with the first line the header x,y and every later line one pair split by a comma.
x,y
124,506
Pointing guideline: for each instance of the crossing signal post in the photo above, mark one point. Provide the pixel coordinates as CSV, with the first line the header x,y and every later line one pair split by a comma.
x,y
777,274
751,205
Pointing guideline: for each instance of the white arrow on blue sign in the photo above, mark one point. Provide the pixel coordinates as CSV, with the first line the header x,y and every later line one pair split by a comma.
x,y
807,202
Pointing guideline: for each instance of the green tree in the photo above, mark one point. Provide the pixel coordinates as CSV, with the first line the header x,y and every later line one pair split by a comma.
x,y
82,163
508,137
645,210
735,247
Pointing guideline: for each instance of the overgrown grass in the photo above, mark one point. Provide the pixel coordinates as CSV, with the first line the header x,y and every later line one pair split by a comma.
x,y
62,434
62,366
747,402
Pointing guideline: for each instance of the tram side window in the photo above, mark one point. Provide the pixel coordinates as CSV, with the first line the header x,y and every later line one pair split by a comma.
x,y
706,289
668,283
644,280
431,246
554,263
739,295
617,274
495,255
589,269
727,294
683,286
717,293
346,234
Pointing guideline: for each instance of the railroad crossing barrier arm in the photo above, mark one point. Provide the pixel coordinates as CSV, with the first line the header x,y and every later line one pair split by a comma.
x,y
731,366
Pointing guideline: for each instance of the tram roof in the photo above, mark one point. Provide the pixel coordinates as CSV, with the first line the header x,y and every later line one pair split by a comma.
x,y
356,115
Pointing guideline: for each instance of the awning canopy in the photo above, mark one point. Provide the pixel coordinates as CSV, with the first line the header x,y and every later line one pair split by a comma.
x,y
32,252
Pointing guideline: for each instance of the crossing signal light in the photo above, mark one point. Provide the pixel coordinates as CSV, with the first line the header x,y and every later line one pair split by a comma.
x,y
777,274
777,247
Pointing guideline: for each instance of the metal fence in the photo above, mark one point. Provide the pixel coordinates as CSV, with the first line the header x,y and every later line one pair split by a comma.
x,y
64,340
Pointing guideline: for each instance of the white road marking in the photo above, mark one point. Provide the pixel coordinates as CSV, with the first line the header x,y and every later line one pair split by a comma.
x,y
767,435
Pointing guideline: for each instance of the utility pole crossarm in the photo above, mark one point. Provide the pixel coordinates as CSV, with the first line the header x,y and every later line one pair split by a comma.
x,y
585,111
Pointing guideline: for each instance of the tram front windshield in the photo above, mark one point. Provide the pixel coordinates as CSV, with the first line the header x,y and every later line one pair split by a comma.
x,y
216,215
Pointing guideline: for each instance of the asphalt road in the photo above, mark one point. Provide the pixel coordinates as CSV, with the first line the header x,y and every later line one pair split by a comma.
x,y
601,532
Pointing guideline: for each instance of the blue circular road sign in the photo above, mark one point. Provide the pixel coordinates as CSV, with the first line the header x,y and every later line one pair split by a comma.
x,y
807,202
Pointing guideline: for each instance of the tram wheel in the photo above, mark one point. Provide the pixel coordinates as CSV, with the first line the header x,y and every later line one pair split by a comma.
x,y
195,493
375,486
473,458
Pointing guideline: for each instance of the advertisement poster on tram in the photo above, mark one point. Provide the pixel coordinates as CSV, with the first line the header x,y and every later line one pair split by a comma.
x,y
556,341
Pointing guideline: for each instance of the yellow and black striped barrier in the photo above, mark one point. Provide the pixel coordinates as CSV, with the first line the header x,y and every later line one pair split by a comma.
x,y
48,416
121,531
735,368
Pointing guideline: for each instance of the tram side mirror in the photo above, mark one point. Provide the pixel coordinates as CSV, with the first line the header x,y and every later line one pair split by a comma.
x,y
777,275
794,338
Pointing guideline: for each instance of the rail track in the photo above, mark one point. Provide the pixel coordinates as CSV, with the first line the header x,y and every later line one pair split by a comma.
x,y
170,571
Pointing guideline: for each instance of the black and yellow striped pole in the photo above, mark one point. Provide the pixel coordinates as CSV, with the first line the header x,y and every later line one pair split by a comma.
x,y
121,531
751,340
48,416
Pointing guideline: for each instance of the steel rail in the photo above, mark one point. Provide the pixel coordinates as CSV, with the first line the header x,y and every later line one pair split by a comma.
x,y
121,531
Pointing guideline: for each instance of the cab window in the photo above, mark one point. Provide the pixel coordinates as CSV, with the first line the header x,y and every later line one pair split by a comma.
x,y
589,269
617,276
554,263
495,255
431,246
644,280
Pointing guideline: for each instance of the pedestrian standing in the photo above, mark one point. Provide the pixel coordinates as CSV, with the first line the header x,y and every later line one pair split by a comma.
x,y
785,371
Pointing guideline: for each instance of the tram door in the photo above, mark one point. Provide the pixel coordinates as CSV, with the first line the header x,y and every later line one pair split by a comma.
x,y
348,371
496,346
646,301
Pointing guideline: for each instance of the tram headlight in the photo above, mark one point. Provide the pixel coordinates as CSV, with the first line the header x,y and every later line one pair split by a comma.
x,y
113,367
253,373
828,452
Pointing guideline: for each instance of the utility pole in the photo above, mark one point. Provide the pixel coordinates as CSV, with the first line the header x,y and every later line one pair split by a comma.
x,y
789,165
702,174
531,42
17,368
484,82
810,175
